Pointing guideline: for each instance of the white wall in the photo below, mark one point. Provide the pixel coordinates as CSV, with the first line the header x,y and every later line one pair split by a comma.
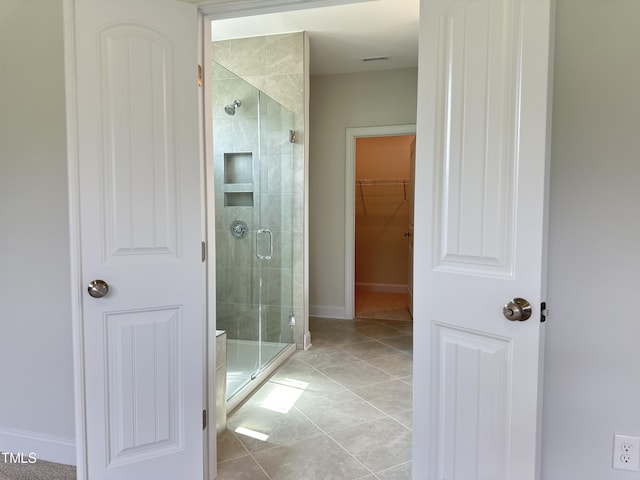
x,y
337,102
36,399
592,370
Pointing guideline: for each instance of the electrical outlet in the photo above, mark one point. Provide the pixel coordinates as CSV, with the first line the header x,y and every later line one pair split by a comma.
x,y
626,452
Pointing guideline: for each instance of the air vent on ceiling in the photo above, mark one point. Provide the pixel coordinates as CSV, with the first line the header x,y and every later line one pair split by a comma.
x,y
381,58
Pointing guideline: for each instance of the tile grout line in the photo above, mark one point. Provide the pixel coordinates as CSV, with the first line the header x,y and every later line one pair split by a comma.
x,y
248,454
328,434
385,415
371,472
350,389
377,408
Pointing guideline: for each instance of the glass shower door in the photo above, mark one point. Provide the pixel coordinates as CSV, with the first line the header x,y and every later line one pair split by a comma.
x,y
274,237
253,215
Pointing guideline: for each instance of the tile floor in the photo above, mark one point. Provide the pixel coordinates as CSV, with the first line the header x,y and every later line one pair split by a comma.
x,y
341,410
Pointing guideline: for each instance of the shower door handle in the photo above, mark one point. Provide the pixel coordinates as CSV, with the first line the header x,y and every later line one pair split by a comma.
x,y
258,254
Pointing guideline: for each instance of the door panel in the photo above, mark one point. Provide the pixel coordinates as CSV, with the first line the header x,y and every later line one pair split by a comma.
x,y
141,191
482,150
141,230
477,99
144,384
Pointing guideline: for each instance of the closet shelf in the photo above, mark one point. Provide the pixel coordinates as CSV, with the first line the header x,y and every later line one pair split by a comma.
x,y
382,181
401,191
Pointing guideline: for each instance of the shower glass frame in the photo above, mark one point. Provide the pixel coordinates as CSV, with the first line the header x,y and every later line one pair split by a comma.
x,y
253,183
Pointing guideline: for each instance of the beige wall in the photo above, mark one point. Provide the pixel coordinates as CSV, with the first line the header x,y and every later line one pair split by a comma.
x,y
382,212
338,102
36,396
592,361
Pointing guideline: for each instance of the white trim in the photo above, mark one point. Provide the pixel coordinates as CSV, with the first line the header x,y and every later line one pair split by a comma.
x,y
221,9
328,311
306,334
71,108
349,205
209,237
52,448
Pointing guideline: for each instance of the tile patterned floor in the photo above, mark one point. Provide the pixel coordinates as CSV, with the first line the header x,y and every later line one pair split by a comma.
x,y
340,411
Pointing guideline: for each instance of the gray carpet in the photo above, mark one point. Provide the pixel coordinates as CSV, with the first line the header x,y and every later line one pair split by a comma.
x,y
40,470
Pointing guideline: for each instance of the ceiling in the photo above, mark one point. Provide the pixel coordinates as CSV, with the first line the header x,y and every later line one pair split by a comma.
x,y
341,35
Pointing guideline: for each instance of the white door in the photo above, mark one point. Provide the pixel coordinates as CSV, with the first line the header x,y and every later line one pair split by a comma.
x,y
480,227
134,115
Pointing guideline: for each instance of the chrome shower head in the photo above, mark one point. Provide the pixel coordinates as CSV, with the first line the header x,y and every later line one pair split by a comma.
x,y
231,109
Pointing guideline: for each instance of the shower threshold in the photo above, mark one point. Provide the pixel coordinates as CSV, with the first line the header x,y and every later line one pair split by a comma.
x,y
242,378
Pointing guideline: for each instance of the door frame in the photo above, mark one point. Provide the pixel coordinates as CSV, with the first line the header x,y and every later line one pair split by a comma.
x,y
75,263
352,135
210,453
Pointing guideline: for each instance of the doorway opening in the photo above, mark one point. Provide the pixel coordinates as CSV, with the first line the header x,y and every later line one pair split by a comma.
x,y
258,149
288,394
383,199
390,190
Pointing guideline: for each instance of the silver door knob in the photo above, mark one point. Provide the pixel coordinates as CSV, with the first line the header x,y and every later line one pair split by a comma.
x,y
517,309
98,288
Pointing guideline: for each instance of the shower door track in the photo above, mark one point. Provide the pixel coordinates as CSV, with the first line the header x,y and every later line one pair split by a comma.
x,y
259,377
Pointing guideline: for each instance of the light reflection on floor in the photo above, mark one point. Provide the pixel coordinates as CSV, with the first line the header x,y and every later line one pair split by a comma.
x,y
283,397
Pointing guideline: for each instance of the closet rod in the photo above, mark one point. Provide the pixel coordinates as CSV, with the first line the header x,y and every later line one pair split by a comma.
x,y
367,181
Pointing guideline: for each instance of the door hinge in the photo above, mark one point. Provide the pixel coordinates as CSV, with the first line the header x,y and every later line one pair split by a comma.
x,y
199,75
204,419
543,312
204,251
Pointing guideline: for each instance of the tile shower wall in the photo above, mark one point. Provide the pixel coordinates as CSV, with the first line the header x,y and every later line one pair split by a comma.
x,y
274,65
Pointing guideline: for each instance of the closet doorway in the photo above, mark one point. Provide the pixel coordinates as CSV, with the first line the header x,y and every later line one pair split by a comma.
x,y
379,233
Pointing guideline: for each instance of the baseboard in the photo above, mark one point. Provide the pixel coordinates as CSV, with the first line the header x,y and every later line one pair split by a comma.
x,y
382,287
45,447
328,311
307,341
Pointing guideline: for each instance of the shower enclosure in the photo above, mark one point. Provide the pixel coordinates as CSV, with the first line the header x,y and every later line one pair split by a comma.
x,y
253,215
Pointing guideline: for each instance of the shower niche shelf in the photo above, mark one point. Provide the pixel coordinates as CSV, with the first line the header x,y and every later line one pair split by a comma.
x,y
238,179
238,167
238,199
